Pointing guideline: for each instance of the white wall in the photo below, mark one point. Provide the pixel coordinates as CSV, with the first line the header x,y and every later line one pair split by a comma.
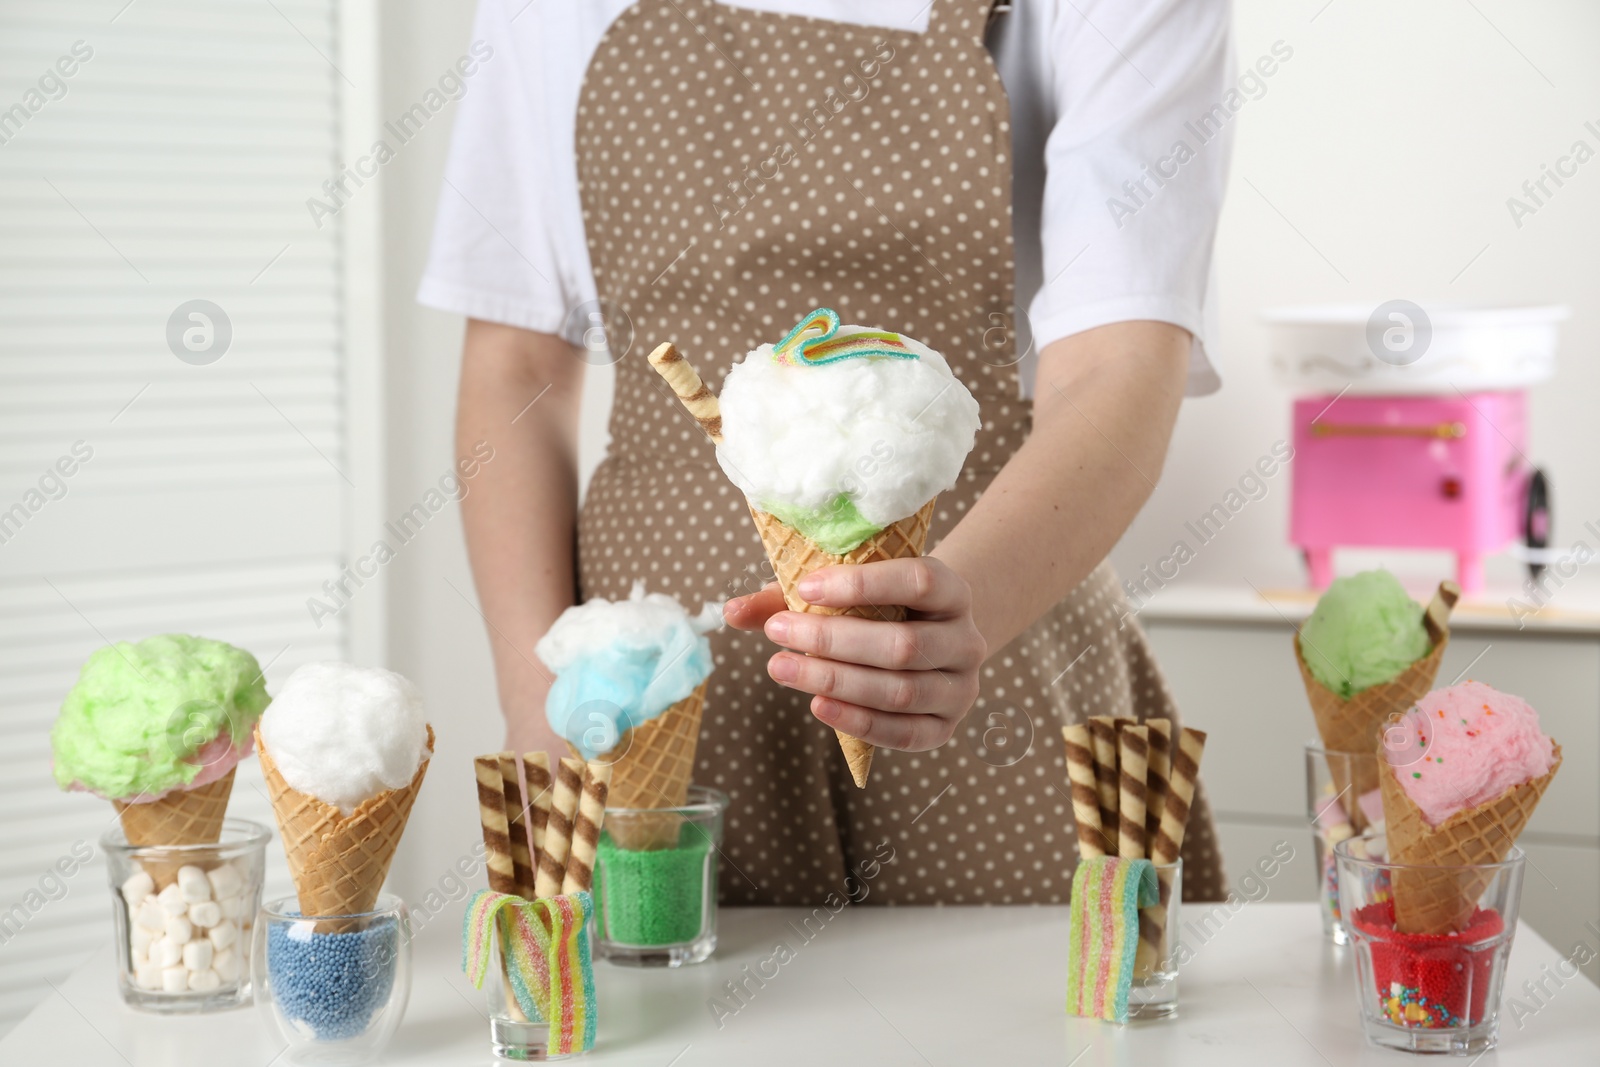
x,y
1389,141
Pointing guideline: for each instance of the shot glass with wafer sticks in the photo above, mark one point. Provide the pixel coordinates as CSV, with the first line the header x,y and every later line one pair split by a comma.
x,y
1131,787
519,803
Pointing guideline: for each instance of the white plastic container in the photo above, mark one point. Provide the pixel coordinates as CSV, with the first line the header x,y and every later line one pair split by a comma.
x,y
1373,349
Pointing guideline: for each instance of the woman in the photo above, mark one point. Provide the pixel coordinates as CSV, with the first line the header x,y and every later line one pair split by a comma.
x,y
705,173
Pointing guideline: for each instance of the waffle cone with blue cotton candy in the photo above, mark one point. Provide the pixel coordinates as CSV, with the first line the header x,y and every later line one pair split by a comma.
x,y
841,438
630,690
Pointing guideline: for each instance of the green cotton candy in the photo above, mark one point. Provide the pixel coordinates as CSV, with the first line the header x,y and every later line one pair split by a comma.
x,y
140,712
1365,630
836,529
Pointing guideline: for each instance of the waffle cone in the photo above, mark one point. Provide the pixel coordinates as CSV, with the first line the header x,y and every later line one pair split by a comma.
x,y
338,861
182,817
651,766
794,555
1356,725
1442,902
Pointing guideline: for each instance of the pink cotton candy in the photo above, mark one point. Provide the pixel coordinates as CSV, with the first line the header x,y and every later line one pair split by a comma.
x,y
1463,746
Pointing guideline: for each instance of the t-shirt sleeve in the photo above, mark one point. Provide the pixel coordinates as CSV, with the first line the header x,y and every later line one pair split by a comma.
x,y
497,251
1135,162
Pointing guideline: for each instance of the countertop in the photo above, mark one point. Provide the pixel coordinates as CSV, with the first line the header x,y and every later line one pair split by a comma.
x,y
923,987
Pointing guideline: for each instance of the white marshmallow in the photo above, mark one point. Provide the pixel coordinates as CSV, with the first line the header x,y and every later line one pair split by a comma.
x,y
194,886
172,901
226,881
139,938
204,981
233,908
151,915
205,913
175,979
165,952
224,934
147,976
197,955
138,886
226,964
179,929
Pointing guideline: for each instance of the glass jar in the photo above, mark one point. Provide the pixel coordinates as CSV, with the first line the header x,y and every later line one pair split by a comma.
x,y
183,916
1436,989
1335,812
655,882
333,987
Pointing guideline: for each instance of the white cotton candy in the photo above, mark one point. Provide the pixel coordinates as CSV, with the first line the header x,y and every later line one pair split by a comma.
x,y
344,734
888,433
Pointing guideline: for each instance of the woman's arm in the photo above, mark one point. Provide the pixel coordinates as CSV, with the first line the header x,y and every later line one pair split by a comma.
x,y
520,392
1104,408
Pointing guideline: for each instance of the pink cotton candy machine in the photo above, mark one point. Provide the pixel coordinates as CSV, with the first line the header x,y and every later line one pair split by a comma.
x,y
1410,430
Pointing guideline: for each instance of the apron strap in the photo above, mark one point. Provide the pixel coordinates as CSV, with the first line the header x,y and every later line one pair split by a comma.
x,y
964,20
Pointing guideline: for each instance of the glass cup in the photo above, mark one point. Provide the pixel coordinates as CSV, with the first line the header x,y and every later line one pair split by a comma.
x,y
183,916
1153,994
513,1034
333,986
1435,987
1335,783
655,882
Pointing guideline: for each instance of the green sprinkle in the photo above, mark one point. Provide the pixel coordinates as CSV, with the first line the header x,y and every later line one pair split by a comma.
x,y
1416,774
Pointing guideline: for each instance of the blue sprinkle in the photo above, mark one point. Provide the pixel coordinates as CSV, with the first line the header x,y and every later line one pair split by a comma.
x,y
332,983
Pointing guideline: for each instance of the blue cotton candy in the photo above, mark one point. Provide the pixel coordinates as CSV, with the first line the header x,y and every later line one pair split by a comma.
x,y
620,664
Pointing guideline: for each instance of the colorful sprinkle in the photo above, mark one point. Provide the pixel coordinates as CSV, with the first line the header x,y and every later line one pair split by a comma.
x,y
1416,774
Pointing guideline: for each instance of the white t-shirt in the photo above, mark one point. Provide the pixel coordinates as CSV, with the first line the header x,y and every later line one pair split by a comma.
x,y
1121,132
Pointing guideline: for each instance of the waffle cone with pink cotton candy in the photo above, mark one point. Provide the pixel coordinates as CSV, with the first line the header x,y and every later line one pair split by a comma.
x,y
1457,800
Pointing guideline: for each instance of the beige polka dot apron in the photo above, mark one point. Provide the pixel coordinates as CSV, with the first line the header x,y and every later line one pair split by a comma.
x,y
737,169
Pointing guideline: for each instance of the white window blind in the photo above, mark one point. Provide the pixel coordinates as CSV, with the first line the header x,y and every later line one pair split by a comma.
x,y
152,154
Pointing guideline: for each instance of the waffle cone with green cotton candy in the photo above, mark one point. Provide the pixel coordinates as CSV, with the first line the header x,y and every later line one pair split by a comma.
x,y
1354,724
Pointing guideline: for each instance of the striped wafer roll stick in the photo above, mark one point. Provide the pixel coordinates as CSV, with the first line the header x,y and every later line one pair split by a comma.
x,y
586,828
694,394
558,831
1103,738
1185,772
517,824
1168,845
1085,799
492,814
1133,749
1157,767
536,771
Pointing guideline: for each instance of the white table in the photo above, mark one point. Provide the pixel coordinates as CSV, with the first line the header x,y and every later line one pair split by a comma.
x,y
874,986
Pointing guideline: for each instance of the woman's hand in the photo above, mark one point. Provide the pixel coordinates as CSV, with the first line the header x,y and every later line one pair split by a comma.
x,y
902,685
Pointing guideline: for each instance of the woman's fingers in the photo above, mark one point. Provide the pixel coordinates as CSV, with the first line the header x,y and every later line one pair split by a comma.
x,y
923,584
917,692
752,612
901,646
885,729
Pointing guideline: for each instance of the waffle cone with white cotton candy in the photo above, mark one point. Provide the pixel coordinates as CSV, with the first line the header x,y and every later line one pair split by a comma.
x,y
841,438
344,750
